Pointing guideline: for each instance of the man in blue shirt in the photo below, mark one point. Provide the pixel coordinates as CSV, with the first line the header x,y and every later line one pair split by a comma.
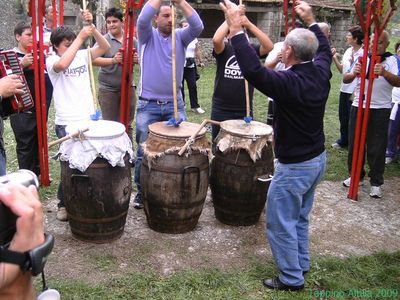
x,y
155,50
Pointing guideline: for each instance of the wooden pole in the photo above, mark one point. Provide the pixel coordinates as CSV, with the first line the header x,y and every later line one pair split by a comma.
x,y
174,92
92,84
67,137
194,135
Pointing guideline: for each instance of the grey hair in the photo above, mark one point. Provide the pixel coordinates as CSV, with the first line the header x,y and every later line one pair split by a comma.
x,y
325,27
303,42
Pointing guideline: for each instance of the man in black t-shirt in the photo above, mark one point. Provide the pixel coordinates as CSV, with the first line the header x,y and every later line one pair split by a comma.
x,y
229,98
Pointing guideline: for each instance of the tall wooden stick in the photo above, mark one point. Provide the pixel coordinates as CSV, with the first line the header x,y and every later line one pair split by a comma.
x,y
174,92
246,87
67,137
92,84
193,136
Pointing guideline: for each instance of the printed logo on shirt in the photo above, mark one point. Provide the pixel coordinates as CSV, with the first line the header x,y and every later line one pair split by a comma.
x,y
75,72
232,69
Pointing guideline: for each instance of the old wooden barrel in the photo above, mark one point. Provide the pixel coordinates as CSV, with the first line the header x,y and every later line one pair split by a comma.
x,y
174,187
241,171
97,198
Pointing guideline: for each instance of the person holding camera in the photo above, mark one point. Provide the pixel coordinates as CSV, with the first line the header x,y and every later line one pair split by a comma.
x,y
24,203
9,86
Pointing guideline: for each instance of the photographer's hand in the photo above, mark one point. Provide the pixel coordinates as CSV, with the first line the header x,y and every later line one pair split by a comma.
x,y
23,202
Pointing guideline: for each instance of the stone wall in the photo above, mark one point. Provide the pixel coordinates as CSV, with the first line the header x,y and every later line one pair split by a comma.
x,y
11,15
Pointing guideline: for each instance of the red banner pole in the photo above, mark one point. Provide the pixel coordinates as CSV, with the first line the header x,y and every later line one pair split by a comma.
x,y
54,6
45,178
124,65
61,13
353,190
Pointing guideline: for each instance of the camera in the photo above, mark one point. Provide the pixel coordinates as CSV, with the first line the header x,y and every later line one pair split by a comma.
x,y
7,218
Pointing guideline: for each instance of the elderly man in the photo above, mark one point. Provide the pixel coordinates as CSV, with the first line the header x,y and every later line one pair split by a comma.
x,y
378,122
300,93
155,50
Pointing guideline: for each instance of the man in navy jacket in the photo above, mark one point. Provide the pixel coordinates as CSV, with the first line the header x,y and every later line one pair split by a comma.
x,y
300,93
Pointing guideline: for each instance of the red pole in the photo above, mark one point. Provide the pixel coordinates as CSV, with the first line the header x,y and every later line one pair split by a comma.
x,y
54,5
45,178
61,13
353,190
124,84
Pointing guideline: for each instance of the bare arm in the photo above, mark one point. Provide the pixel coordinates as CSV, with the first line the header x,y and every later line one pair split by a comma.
x,y
265,42
68,56
393,79
103,45
338,64
199,56
219,36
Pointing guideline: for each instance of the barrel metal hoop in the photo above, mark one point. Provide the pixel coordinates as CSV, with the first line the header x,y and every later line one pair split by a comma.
x,y
94,234
94,221
202,167
176,205
257,163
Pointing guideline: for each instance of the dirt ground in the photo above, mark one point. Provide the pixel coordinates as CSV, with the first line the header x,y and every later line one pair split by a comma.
x,y
339,227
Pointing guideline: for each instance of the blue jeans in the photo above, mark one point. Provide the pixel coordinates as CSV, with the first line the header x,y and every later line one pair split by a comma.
x,y
149,112
3,165
289,202
60,132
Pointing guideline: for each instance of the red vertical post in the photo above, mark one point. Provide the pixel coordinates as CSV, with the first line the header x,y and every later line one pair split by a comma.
x,y
353,190
54,5
61,12
37,13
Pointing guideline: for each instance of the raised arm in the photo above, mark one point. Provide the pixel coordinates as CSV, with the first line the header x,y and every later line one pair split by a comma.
x,y
265,42
68,56
103,45
144,27
219,36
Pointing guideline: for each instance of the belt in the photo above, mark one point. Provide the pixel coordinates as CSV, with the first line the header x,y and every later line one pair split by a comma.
x,y
159,102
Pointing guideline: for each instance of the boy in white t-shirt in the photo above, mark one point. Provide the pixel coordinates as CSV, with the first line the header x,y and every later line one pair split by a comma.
x,y
69,73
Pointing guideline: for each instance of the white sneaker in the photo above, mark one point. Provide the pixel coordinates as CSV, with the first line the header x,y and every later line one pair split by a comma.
x,y
375,192
337,146
62,214
347,182
199,110
388,160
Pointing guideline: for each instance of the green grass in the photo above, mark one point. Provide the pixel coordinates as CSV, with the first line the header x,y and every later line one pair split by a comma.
x,y
379,271
367,275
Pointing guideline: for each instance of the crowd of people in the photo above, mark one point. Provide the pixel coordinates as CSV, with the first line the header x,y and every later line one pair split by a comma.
x,y
296,76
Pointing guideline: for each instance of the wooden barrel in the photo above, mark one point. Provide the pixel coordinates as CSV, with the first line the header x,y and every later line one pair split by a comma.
x,y
174,187
241,171
97,200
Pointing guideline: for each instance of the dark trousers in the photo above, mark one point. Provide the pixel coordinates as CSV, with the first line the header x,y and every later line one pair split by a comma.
x,y
25,132
218,114
60,132
189,74
394,132
344,114
377,133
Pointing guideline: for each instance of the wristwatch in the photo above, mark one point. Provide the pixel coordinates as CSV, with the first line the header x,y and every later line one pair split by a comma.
x,y
33,260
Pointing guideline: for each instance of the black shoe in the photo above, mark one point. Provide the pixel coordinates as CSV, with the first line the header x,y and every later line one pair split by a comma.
x,y
137,202
276,284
